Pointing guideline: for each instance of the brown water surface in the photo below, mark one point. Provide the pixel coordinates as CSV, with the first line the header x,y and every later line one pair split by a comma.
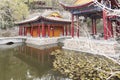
x,y
21,62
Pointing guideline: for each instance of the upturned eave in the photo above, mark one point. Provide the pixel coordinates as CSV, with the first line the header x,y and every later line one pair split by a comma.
x,y
76,6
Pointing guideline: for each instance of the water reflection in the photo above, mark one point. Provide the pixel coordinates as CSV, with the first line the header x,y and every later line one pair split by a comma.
x,y
28,63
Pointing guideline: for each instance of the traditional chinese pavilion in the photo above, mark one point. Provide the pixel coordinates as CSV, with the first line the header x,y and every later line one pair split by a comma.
x,y
96,9
47,24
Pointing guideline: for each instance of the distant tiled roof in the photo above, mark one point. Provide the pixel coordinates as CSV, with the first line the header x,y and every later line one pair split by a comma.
x,y
49,16
81,2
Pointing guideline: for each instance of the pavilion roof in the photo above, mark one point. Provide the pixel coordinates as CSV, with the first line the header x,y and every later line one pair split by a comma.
x,y
81,3
49,16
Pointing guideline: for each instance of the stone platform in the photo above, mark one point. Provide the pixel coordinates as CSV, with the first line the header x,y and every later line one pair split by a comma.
x,y
45,41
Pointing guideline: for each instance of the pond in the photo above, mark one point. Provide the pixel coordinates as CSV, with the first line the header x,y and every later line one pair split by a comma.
x,y
30,62
22,62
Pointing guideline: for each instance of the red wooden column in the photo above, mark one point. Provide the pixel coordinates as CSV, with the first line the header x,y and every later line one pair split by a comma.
x,y
43,29
52,31
94,31
66,30
38,30
63,30
105,24
69,30
48,30
31,30
72,26
26,31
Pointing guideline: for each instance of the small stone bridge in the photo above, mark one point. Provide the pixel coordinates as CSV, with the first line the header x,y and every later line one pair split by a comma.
x,y
7,40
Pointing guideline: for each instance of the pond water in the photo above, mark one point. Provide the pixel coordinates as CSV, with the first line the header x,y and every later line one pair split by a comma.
x,y
22,62
30,62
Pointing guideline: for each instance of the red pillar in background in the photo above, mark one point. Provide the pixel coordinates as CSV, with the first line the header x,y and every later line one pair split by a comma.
x,y
49,30
63,30
43,29
105,24
38,30
26,31
72,26
94,31
66,30
70,29
31,31
53,31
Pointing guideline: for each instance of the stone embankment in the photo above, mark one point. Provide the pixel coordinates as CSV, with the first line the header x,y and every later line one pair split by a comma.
x,y
106,47
45,41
